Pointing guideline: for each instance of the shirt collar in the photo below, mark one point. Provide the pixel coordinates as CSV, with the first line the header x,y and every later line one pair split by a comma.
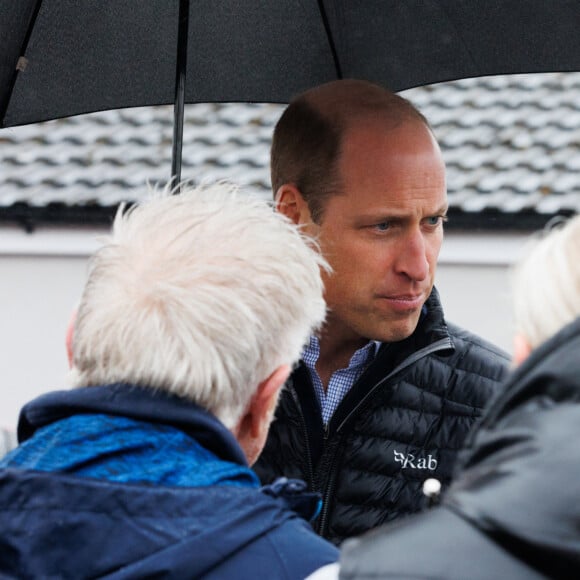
x,y
362,356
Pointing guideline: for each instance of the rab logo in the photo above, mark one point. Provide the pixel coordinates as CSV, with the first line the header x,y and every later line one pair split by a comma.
x,y
409,460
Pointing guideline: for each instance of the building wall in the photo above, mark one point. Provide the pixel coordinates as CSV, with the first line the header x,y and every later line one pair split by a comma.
x,y
43,275
478,298
37,294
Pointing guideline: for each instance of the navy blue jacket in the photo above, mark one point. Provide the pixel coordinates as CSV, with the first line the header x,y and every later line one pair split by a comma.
x,y
78,500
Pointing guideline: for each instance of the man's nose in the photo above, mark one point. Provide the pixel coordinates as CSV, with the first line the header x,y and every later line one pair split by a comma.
x,y
411,257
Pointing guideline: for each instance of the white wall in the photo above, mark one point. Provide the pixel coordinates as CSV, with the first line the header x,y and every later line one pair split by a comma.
x,y
477,297
42,276
41,279
36,298
473,279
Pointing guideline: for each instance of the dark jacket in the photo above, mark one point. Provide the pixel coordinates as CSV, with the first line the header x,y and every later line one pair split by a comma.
x,y
513,510
402,422
78,500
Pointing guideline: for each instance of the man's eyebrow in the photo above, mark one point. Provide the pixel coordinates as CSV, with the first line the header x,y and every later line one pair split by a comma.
x,y
394,215
442,210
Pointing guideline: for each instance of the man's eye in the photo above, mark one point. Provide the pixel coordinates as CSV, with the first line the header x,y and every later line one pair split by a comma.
x,y
383,226
435,220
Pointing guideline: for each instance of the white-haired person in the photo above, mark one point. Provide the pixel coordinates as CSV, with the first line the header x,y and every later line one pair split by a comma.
x,y
194,310
513,510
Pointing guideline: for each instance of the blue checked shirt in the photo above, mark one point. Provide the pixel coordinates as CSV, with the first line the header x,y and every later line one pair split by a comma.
x,y
342,380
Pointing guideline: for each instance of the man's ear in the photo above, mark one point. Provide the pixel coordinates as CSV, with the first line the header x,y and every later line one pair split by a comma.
x,y
522,349
252,429
289,201
70,331
263,404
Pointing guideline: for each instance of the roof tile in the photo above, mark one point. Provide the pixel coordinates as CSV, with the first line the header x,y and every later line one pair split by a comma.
x,y
511,145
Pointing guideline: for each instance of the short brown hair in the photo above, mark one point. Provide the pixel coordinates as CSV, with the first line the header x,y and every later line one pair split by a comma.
x,y
308,136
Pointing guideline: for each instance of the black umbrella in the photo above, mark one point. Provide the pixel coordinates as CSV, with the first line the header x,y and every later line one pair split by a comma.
x,y
66,57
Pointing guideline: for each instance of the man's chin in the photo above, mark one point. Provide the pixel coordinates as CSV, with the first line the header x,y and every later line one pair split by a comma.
x,y
397,331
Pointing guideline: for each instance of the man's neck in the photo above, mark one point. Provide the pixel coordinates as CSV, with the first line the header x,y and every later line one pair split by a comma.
x,y
335,353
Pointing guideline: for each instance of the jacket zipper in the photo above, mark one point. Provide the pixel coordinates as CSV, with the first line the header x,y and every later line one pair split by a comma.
x,y
306,438
329,488
440,345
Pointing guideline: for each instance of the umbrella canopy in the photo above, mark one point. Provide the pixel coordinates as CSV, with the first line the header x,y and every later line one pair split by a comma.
x,y
61,58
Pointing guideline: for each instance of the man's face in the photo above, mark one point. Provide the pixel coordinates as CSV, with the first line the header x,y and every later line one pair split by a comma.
x,y
382,234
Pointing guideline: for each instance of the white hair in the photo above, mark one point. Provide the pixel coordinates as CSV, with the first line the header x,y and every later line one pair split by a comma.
x,y
546,283
202,294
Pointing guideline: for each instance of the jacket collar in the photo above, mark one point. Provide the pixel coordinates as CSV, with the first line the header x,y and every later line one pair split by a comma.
x,y
430,330
137,403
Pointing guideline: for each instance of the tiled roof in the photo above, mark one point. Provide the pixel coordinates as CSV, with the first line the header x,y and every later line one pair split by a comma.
x,y
511,144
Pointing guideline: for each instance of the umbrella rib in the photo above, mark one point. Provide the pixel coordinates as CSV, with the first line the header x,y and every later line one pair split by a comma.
x,y
330,38
18,65
179,104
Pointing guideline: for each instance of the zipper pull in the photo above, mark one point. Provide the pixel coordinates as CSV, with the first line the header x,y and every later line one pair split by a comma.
x,y
432,489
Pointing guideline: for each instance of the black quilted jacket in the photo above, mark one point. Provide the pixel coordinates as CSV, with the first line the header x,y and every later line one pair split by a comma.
x,y
402,422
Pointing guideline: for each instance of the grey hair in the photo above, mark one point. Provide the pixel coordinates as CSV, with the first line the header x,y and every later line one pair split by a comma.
x,y
546,282
202,294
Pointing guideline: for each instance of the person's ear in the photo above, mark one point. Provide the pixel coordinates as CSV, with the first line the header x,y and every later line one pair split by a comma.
x,y
289,201
70,330
264,402
252,429
522,349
